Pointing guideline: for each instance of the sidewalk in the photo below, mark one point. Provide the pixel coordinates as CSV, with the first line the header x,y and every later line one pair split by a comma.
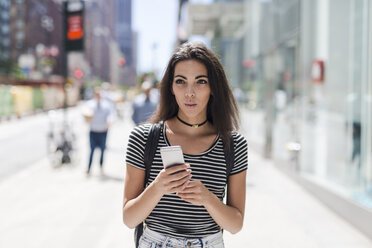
x,y
48,207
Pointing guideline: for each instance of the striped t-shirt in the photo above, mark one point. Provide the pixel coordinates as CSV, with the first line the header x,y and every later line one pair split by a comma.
x,y
172,215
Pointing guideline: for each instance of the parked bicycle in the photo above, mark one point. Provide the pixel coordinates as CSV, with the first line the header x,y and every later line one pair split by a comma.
x,y
61,140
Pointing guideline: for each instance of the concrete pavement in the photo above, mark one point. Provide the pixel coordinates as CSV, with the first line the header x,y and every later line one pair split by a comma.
x,y
42,206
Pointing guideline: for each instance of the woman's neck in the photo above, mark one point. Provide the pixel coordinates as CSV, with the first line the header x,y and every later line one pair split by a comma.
x,y
177,127
192,140
197,120
193,125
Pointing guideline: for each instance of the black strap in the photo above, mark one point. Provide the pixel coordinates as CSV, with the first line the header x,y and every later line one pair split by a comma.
x,y
149,154
229,157
150,148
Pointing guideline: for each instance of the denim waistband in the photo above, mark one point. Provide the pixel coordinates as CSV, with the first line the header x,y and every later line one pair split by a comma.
x,y
169,241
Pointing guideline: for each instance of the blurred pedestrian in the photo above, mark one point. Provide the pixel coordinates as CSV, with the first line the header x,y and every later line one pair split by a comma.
x,y
155,92
144,104
355,106
182,205
100,116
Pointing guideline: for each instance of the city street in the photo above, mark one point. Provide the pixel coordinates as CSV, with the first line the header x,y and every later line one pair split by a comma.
x,y
47,206
29,136
17,137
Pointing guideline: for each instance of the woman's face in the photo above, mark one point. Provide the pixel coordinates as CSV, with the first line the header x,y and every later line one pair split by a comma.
x,y
191,89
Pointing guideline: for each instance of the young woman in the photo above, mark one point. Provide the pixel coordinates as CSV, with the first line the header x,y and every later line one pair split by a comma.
x,y
182,205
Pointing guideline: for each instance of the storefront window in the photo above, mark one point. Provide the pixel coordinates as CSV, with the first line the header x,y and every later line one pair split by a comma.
x,y
336,135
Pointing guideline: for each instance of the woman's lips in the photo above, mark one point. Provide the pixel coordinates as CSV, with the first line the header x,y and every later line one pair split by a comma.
x,y
190,105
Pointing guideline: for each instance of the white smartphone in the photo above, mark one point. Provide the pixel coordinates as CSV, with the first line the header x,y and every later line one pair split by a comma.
x,y
171,155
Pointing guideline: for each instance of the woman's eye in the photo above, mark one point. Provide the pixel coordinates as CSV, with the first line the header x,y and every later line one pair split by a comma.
x,y
202,81
179,81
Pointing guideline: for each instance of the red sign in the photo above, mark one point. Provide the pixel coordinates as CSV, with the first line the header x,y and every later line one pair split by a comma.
x,y
75,27
249,63
317,71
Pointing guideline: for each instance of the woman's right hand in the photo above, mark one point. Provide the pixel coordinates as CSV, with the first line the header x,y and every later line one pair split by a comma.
x,y
172,179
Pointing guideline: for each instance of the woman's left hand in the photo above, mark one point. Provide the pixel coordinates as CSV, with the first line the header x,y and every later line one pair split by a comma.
x,y
195,192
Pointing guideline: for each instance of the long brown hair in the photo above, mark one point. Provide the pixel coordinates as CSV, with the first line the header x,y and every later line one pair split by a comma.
x,y
222,110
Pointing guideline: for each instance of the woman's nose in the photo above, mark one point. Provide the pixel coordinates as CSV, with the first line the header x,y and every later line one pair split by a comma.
x,y
190,92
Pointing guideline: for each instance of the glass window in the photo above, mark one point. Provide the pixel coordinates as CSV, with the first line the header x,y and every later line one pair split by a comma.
x,y
19,24
6,42
5,29
19,35
337,138
5,3
5,15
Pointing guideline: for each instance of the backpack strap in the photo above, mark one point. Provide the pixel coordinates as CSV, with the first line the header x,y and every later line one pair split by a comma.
x,y
149,154
229,157
150,148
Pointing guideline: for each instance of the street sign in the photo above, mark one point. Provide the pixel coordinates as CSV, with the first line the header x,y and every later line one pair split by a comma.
x,y
74,25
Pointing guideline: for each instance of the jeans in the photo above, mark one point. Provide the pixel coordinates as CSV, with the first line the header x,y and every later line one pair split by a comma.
x,y
97,140
151,239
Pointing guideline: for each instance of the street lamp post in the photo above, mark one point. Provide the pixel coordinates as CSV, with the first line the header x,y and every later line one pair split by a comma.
x,y
73,40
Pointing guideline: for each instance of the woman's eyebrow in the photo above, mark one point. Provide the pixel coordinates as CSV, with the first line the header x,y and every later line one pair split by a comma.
x,y
197,77
201,76
180,76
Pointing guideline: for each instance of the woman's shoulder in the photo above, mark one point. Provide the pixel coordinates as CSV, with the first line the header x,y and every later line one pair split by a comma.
x,y
142,127
238,138
141,131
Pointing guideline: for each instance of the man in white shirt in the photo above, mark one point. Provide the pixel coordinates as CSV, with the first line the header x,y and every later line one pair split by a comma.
x,y
103,114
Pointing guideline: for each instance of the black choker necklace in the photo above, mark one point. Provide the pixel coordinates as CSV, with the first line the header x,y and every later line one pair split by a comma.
x,y
192,125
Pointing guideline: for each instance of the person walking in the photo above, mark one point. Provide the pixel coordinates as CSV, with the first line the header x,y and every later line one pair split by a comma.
x,y
102,115
144,104
182,205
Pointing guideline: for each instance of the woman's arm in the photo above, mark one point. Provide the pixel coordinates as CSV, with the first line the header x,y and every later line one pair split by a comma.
x,y
139,203
228,216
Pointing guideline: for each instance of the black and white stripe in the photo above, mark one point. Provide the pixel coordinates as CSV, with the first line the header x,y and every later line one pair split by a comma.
x,y
172,215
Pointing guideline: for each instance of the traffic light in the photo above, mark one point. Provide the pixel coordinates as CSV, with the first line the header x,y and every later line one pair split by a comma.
x,y
122,61
74,25
78,74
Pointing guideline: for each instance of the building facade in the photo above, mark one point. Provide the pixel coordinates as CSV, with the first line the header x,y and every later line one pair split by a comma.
x,y
44,18
126,40
4,35
99,32
110,46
